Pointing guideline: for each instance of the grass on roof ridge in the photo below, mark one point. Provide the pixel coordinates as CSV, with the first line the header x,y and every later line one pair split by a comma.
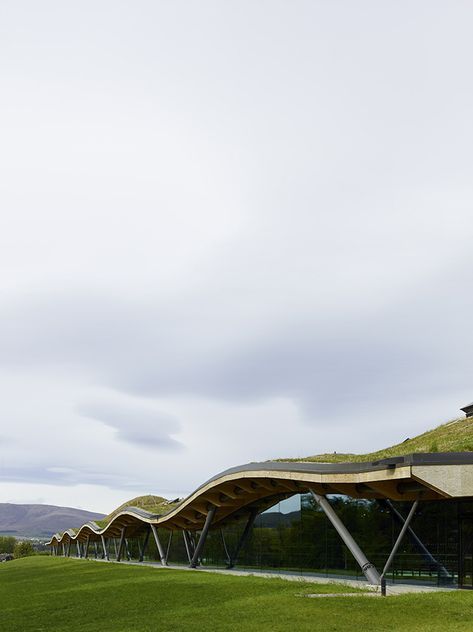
x,y
454,436
152,504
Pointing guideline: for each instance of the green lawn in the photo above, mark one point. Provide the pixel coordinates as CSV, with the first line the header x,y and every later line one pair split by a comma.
x,y
51,594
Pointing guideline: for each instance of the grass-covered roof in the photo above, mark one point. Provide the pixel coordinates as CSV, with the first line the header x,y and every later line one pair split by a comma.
x,y
153,504
453,436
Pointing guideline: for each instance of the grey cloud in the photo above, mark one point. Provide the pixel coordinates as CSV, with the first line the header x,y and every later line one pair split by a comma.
x,y
135,423
66,475
332,364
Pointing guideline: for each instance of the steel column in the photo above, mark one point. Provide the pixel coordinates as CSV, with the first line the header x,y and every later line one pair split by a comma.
x,y
79,552
203,536
187,544
120,544
105,554
95,550
369,570
192,540
86,552
244,537
162,555
228,559
427,555
399,538
169,545
144,545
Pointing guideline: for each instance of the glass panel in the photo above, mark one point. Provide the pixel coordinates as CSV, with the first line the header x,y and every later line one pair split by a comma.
x,y
466,552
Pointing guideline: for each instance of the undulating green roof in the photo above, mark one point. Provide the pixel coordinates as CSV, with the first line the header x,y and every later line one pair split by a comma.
x,y
453,436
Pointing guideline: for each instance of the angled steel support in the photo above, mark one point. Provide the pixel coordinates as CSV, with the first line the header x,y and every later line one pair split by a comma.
x,y
95,550
169,546
203,536
228,559
63,549
420,546
193,540
69,548
142,546
232,560
86,552
189,541
187,544
369,570
162,555
405,527
121,542
105,553
79,552
127,549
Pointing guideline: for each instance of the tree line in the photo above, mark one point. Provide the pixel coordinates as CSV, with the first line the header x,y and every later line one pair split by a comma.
x,y
17,548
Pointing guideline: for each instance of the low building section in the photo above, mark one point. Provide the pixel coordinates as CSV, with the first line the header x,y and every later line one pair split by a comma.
x,y
408,517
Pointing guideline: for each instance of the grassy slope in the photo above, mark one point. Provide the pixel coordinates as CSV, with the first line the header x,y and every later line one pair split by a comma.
x,y
59,595
454,436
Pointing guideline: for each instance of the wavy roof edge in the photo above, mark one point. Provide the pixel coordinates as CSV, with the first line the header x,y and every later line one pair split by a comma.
x,y
286,479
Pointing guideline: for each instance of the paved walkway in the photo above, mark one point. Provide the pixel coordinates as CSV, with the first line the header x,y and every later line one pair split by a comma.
x,y
391,589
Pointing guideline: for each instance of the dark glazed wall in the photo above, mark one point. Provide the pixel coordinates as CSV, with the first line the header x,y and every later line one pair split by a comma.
x,y
295,536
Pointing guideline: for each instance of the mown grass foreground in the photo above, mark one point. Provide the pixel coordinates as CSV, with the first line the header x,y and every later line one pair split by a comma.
x,y
53,594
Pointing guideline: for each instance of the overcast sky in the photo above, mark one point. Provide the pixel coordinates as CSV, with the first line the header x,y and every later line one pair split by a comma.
x,y
229,231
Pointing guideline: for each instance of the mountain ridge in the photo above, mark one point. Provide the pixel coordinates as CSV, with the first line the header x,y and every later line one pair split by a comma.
x,y
37,520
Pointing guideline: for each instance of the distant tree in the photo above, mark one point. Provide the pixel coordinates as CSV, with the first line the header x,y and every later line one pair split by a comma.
x,y
7,543
23,549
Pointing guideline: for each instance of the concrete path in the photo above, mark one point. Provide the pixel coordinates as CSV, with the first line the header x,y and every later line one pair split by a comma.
x,y
391,589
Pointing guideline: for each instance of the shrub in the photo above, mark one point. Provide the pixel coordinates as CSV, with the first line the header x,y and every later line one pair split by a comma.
x,y
7,543
23,549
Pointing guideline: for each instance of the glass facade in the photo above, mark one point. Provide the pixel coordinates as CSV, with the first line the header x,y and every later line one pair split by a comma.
x,y
294,535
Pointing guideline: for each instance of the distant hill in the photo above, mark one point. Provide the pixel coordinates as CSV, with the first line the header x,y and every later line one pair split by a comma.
x,y
40,520
274,519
